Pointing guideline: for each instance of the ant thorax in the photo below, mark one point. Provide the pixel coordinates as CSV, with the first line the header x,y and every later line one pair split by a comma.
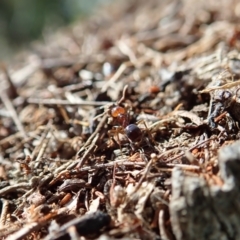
x,y
121,122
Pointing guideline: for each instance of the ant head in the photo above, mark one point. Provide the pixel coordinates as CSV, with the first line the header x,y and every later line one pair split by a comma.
x,y
120,115
117,111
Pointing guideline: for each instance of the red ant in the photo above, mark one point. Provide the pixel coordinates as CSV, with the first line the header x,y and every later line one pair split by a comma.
x,y
132,131
121,118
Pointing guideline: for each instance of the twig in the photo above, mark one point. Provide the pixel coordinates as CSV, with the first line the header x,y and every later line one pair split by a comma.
x,y
65,102
162,230
225,86
18,135
210,108
197,145
28,228
110,165
218,118
146,170
68,165
20,76
123,95
43,147
5,206
177,149
14,115
14,187
8,229
116,76
91,147
12,91
183,166
99,127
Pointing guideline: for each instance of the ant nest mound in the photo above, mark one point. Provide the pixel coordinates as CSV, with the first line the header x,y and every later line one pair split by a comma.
x,y
125,126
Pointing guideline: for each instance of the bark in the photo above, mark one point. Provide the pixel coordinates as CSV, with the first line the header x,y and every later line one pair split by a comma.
x,y
202,211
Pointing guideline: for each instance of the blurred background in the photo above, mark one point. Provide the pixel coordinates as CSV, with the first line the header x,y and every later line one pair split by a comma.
x,y
22,21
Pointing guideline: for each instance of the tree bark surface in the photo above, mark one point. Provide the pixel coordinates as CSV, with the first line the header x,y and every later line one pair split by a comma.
x,y
202,211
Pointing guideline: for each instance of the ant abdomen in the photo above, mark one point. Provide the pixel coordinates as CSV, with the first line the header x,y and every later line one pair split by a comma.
x,y
133,132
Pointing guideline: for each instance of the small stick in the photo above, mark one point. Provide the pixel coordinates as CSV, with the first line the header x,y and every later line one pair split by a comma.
x,y
18,135
123,95
99,127
147,168
20,76
225,86
68,165
8,229
117,103
20,234
113,199
91,147
117,75
183,166
162,229
72,231
177,149
181,154
14,187
4,212
65,102
8,104
110,165
44,145
23,197
58,176
43,137
34,226
12,91
218,118
210,110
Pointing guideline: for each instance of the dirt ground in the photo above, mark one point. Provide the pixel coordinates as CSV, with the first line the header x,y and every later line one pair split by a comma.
x,y
125,126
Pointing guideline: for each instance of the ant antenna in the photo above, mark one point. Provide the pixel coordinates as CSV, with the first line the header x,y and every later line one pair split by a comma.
x,y
118,103
123,95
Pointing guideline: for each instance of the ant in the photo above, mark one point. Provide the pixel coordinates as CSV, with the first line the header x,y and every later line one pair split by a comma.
x,y
121,117
132,131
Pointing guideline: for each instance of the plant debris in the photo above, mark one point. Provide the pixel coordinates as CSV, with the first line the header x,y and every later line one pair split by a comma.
x,y
112,128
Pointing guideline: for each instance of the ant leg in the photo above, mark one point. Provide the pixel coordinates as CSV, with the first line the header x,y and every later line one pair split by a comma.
x,y
116,131
148,131
119,143
111,134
